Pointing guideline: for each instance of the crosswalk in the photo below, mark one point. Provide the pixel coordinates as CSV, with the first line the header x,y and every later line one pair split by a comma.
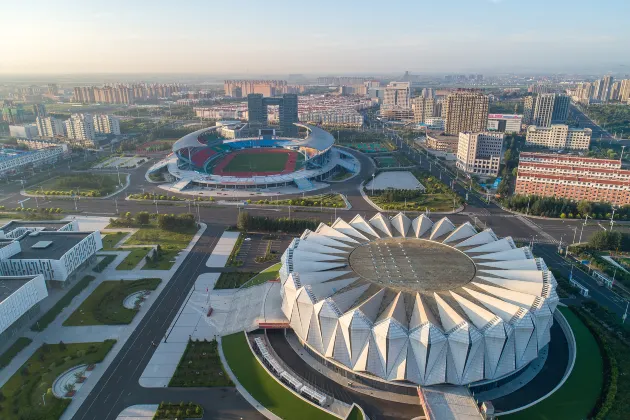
x,y
538,230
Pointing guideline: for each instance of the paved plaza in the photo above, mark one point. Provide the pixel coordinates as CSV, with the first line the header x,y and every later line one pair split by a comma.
x,y
397,180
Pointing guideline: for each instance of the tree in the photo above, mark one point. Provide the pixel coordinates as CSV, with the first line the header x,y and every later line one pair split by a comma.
x,y
142,218
584,207
243,221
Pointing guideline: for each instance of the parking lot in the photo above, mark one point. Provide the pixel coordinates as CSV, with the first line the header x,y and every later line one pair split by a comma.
x,y
255,245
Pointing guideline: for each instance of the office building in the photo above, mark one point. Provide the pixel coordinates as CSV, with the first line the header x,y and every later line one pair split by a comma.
x,y
559,137
573,177
434,123
13,161
106,124
505,123
50,127
442,143
25,131
243,88
19,302
422,109
615,89
465,111
480,153
53,89
288,112
528,109
397,95
397,114
80,127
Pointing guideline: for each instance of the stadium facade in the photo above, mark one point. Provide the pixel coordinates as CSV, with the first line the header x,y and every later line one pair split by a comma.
x,y
416,300
196,153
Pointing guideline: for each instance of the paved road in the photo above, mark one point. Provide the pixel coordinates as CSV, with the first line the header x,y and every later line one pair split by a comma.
x,y
118,388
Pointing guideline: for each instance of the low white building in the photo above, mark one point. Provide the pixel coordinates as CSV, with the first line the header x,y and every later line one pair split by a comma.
x,y
559,137
480,153
26,131
505,123
19,302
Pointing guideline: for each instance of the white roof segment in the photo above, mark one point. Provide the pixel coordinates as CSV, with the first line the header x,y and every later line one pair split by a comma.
x,y
511,264
528,287
462,232
479,316
449,317
346,299
441,228
359,223
320,276
480,238
371,306
421,315
512,254
421,225
526,275
303,265
395,310
298,254
504,310
401,223
345,228
501,245
312,246
524,300
381,223
327,289
323,240
335,234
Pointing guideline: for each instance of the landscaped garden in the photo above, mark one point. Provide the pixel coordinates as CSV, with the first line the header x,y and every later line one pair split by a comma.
x,y
28,393
83,184
174,411
111,239
265,389
105,305
322,200
200,365
133,258
48,317
235,279
102,264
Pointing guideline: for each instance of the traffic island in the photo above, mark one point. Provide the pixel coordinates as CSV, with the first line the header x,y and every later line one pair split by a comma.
x,y
200,366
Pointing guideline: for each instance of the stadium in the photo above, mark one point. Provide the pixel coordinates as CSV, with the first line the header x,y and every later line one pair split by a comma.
x,y
205,159
417,301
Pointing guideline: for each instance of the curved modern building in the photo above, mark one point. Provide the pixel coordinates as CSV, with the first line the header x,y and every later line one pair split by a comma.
x,y
416,300
195,154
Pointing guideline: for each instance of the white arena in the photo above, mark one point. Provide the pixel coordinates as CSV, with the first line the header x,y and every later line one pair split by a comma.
x,y
417,301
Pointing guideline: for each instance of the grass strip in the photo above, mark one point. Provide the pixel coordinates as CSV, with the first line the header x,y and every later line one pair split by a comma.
x,y
19,345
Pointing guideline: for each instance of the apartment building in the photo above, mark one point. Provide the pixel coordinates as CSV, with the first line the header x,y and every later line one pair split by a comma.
x,y
559,137
423,108
397,95
573,177
106,124
242,88
50,127
80,127
465,111
479,153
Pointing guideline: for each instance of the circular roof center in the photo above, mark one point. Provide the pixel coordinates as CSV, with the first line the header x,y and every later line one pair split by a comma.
x,y
412,265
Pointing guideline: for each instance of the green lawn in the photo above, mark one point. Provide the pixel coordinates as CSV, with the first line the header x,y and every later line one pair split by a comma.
x,y
102,265
25,392
257,162
165,261
19,345
355,414
576,398
52,313
265,389
171,242
269,273
134,257
233,279
111,239
105,305
434,202
200,365
84,184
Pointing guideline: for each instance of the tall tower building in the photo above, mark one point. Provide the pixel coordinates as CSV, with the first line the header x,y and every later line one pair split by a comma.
x,y
528,110
624,90
604,90
397,95
479,153
423,108
288,112
106,124
543,109
80,127
256,111
50,127
465,111
560,113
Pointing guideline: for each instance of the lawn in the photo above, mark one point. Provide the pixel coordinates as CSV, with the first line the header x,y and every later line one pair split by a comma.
x,y
257,162
269,273
265,389
576,398
200,365
19,345
83,184
134,257
324,200
174,411
111,239
233,280
27,390
434,202
355,414
102,265
105,305
52,313
171,242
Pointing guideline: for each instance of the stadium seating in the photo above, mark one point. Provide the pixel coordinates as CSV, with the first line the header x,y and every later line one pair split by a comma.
x,y
200,157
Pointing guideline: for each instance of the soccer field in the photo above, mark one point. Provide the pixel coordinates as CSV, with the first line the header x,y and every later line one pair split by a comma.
x,y
257,162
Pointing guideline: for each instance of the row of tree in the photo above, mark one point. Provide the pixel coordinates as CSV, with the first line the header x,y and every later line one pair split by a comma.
x,y
564,208
247,222
605,240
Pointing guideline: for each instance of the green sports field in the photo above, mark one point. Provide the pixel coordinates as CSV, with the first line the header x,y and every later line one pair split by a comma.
x,y
257,162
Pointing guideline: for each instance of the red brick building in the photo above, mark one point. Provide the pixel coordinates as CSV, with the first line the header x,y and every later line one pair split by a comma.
x,y
573,177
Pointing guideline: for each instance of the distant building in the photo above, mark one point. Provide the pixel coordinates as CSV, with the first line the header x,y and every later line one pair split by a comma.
x,y
12,114
288,112
559,137
39,110
13,161
106,124
442,143
397,95
242,88
26,131
80,127
480,153
465,111
624,90
50,127
434,123
422,108
604,89
545,109
573,177
505,123
53,89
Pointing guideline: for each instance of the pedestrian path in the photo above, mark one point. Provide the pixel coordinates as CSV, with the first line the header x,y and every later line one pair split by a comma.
x,y
223,249
138,412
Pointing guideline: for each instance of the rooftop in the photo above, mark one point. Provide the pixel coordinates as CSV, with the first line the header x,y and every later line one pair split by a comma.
x,y
61,242
48,225
9,285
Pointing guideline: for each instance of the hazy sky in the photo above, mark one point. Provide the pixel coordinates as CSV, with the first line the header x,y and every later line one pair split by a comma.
x,y
342,36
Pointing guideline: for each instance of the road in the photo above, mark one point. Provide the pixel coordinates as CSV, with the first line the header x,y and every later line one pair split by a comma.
x,y
599,133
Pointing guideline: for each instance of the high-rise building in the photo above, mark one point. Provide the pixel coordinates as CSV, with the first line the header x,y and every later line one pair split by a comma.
x,y
12,114
559,137
465,111
80,127
256,111
53,89
288,113
39,110
528,110
242,88
614,91
397,95
604,90
257,114
543,109
479,153
106,124
624,90
560,113
422,108
50,127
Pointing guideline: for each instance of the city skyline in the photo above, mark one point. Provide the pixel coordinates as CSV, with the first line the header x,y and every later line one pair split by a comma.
x,y
488,36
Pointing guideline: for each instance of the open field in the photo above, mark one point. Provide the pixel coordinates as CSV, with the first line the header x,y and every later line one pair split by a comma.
x,y
170,242
200,365
27,393
105,305
576,398
83,184
265,389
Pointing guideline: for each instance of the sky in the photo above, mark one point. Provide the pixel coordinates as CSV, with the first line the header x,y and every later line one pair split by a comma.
x,y
252,37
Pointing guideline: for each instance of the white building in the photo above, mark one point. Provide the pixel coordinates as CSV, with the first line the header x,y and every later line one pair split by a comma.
x,y
16,161
480,153
397,95
50,127
434,123
80,127
505,123
26,131
19,302
106,124
559,137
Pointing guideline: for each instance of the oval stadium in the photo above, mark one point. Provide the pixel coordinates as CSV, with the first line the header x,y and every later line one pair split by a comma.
x,y
417,301
205,158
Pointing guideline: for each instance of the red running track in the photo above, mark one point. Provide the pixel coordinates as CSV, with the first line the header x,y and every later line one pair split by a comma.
x,y
219,168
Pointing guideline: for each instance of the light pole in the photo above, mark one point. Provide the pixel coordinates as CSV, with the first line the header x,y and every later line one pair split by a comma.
x,y
373,185
118,171
612,217
575,233
156,207
527,212
116,202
